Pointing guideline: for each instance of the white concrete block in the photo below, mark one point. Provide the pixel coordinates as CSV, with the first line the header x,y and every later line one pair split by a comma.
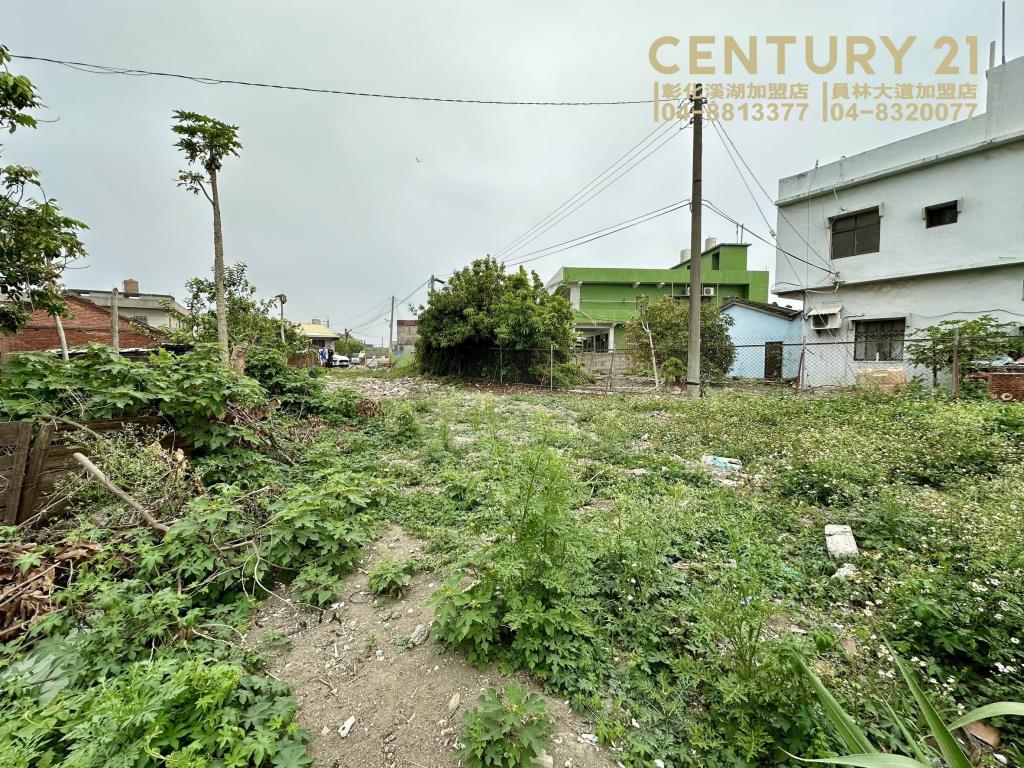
x,y
840,542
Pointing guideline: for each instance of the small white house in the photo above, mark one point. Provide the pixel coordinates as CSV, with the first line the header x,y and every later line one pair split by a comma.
x,y
766,338
880,244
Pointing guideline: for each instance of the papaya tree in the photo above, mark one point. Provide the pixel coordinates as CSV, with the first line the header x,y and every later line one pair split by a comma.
x,y
206,142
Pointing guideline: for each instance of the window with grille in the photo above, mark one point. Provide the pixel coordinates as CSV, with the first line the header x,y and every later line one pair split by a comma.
x,y
856,233
879,339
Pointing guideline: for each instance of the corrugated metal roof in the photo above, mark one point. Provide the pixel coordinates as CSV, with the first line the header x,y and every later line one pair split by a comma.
x,y
318,331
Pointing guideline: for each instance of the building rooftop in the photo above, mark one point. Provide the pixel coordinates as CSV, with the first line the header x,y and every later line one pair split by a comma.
x,y
1002,122
127,301
677,273
773,309
318,331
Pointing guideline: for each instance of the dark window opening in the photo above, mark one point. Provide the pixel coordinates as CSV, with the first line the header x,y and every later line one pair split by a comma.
x,y
879,339
856,233
941,214
716,260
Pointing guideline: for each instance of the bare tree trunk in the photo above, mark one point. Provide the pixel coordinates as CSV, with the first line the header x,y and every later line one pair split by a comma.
x,y
282,300
62,337
218,272
654,361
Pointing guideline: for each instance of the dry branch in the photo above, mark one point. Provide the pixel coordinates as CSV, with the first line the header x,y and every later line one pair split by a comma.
x,y
124,496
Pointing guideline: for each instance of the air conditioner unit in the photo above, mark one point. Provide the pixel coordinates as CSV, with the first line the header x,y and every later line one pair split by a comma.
x,y
707,290
829,322
825,317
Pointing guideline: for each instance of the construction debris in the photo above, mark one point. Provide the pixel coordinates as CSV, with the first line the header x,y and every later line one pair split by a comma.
x,y
840,542
343,731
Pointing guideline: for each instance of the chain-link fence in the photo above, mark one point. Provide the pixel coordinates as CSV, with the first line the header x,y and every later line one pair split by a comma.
x,y
801,365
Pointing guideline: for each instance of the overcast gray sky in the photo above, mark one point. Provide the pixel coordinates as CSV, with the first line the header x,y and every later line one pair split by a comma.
x,y
328,203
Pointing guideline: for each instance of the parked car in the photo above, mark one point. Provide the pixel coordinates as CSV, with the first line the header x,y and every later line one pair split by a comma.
x,y
340,361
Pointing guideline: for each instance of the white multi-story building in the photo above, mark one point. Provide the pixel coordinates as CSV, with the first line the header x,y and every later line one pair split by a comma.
x,y
901,237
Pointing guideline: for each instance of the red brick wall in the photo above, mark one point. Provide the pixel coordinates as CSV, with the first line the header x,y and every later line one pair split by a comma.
x,y
1011,384
88,323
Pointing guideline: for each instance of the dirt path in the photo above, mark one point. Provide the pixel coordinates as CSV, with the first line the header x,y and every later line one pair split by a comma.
x,y
358,663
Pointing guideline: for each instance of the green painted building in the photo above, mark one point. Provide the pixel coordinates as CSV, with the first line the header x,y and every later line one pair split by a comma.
x,y
606,298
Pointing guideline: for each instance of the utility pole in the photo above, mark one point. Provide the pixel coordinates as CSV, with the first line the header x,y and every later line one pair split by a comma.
x,y
391,329
431,289
115,328
346,341
693,343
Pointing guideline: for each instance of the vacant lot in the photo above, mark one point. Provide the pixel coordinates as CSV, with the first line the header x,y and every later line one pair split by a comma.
x,y
589,546
334,577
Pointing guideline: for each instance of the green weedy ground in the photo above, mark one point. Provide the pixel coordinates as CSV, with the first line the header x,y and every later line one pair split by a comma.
x,y
585,545
588,546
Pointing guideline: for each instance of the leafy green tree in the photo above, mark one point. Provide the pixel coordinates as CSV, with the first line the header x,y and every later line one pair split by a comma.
x,y
206,142
349,345
667,321
483,309
37,241
980,338
250,319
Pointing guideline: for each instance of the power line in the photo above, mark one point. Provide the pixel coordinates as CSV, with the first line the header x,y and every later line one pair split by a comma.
x,y
100,69
753,197
611,180
570,200
600,233
359,315
770,198
714,208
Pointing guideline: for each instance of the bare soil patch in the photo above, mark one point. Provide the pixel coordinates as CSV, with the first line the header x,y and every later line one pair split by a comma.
x,y
356,661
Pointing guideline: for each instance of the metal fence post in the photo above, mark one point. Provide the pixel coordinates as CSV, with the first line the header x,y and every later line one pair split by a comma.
x,y
551,366
956,363
501,365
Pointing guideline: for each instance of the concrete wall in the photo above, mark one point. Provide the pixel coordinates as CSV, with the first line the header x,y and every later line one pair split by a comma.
x,y
978,161
749,333
989,230
922,302
924,275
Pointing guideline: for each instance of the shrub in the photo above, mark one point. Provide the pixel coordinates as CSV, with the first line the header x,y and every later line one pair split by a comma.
x,y
570,374
483,308
521,606
668,323
505,730
185,713
392,577
296,389
195,391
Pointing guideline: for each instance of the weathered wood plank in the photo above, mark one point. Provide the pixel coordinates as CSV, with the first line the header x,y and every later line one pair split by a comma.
x,y
16,472
36,457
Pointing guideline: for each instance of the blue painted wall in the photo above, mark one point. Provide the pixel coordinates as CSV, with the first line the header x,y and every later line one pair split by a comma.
x,y
749,333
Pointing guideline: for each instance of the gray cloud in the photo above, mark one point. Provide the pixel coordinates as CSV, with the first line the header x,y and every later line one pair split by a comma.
x,y
327,202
